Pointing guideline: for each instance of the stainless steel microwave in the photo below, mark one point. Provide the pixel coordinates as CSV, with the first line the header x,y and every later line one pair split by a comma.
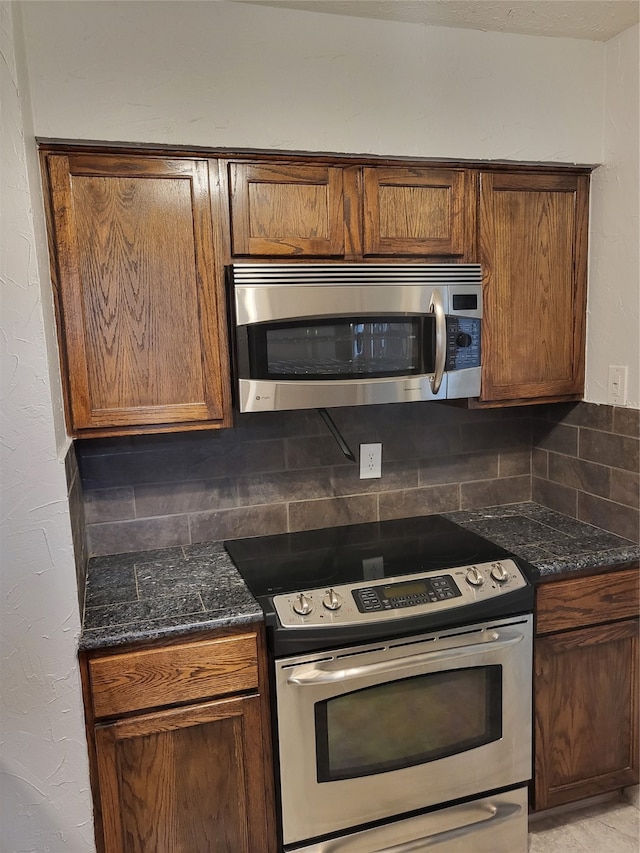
x,y
323,335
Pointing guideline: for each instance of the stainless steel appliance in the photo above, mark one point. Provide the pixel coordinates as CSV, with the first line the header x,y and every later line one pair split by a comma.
x,y
401,663
322,335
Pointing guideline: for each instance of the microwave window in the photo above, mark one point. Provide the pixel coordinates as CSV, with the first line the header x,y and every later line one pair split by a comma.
x,y
407,722
344,348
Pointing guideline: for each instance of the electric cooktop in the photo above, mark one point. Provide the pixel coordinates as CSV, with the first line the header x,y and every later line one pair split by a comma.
x,y
327,587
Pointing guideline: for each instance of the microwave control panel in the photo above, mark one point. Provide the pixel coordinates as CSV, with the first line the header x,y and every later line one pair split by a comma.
x,y
463,342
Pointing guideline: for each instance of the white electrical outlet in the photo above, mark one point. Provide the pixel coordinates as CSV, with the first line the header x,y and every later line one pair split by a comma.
x,y
617,387
370,461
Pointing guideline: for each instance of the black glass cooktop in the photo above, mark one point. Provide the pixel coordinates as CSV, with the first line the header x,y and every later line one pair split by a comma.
x,y
295,561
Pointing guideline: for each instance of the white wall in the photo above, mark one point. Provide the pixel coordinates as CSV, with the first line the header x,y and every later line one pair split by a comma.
x,y
45,804
614,286
225,74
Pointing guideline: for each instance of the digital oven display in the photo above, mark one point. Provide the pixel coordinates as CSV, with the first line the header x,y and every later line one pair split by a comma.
x,y
400,590
406,594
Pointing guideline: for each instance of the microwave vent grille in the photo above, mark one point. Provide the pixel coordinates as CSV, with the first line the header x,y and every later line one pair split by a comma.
x,y
271,275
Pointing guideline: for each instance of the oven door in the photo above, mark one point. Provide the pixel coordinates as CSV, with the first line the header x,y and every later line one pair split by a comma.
x,y
372,732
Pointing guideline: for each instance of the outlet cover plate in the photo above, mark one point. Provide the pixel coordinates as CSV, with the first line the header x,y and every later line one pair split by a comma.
x,y
370,461
617,387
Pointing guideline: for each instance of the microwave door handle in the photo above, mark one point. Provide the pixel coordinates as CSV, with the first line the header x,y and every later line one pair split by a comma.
x,y
322,675
489,817
437,308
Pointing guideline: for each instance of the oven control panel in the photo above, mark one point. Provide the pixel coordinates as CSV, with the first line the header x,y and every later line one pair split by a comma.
x,y
393,598
406,593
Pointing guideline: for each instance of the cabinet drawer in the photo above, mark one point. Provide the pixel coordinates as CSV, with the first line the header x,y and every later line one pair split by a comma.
x,y
151,678
581,602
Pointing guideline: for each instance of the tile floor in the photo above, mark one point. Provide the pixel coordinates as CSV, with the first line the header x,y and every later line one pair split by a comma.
x,y
612,826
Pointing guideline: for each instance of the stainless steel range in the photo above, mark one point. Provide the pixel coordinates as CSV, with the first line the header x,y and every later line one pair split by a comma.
x,y
401,661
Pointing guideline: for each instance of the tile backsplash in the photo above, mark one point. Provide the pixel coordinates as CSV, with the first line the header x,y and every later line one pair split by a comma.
x,y
284,471
78,524
585,463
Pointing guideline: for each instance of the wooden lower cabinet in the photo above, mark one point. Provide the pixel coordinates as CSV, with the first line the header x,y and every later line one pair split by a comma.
x,y
585,688
189,778
184,780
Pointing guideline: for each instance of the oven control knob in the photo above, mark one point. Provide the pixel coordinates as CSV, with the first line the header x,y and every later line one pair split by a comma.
x,y
474,576
331,600
302,605
499,573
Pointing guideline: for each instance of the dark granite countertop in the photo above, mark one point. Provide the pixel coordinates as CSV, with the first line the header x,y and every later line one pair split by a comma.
x,y
553,544
150,595
177,591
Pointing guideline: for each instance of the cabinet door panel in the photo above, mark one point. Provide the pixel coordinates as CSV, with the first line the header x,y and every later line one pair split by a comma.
x,y
279,210
533,233
586,712
415,211
137,290
185,780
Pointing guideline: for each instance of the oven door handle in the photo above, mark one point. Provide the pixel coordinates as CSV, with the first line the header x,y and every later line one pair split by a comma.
x,y
324,675
490,818
437,307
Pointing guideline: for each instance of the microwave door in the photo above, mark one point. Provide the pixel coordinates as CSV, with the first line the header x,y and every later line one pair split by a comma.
x,y
343,361
342,348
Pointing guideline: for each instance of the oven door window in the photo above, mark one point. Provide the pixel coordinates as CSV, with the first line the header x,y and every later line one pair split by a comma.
x,y
407,722
344,348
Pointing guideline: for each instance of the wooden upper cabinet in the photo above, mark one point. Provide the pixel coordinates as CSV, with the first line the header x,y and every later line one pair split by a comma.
x,y
139,241
533,251
343,211
142,332
417,211
283,209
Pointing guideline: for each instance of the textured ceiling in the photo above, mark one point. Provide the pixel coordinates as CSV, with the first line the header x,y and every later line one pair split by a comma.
x,y
597,20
